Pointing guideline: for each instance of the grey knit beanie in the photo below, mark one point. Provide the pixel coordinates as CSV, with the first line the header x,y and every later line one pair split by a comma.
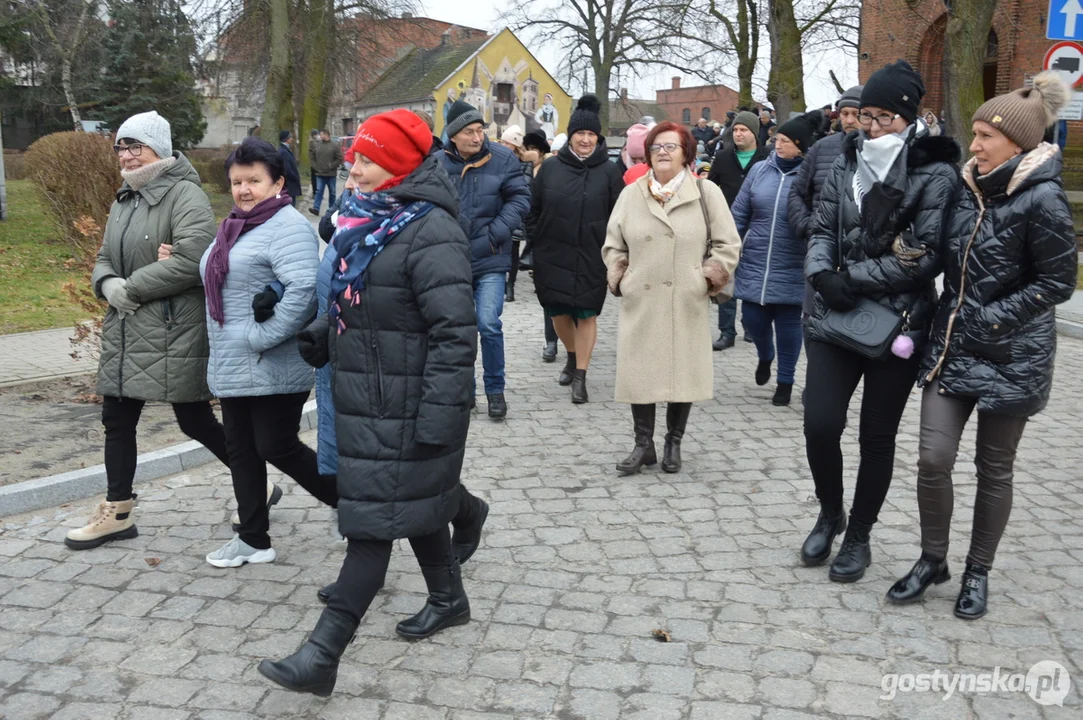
x,y
151,129
850,99
749,119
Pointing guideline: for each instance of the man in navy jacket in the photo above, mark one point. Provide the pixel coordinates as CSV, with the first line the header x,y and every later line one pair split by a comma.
x,y
494,197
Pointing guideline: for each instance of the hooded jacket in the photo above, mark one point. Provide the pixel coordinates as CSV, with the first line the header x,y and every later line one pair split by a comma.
x,y
494,196
402,373
896,264
1010,258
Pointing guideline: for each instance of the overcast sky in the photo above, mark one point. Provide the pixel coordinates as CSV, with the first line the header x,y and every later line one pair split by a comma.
x,y
818,87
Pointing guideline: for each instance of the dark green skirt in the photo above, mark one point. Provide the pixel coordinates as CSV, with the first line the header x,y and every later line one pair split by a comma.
x,y
574,312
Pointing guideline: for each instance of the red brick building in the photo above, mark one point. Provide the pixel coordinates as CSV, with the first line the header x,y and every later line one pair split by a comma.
x,y
914,30
688,104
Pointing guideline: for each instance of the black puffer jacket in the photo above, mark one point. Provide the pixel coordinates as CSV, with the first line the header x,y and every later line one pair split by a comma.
x,y
1010,257
809,183
727,173
917,221
402,373
570,205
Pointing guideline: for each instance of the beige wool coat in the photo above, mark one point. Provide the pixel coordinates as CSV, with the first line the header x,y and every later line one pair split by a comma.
x,y
656,265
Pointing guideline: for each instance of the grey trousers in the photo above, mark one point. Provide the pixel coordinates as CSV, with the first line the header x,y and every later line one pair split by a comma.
x,y
942,422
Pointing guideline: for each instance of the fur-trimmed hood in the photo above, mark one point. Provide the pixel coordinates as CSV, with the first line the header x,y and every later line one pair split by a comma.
x,y
1039,165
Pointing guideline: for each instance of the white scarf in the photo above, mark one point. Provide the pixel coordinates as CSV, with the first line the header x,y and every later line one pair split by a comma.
x,y
142,176
876,157
664,193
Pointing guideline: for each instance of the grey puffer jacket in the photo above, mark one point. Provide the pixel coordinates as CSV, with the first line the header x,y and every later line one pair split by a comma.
x,y
896,261
160,353
248,358
1010,258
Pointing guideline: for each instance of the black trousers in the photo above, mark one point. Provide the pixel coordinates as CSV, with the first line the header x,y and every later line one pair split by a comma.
x,y
262,430
832,376
365,568
514,262
120,416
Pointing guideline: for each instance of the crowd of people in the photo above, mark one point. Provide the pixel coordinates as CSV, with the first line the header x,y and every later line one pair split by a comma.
x,y
831,239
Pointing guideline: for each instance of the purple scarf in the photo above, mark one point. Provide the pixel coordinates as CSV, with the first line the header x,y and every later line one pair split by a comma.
x,y
237,223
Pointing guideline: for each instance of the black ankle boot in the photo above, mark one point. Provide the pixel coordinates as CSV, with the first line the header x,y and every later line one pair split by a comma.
x,y
911,587
447,605
568,373
549,354
854,554
324,594
763,372
782,394
314,668
579,387
643,453
817,547
676,420
974,593
467,525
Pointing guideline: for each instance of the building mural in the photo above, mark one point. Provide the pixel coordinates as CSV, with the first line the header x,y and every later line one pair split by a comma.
x,y
509,87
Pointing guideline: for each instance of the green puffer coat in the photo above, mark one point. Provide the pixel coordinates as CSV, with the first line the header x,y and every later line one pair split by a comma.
x,y
159,353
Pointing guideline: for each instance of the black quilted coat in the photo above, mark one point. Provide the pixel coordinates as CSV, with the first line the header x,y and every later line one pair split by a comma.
x,y
809,183
570,205
402,373
1010,257
891,251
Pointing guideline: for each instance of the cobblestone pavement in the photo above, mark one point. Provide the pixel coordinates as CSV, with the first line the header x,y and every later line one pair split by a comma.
x,y
576,569
40,355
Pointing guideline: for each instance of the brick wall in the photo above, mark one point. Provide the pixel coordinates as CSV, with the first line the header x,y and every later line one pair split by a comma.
x,y
717,98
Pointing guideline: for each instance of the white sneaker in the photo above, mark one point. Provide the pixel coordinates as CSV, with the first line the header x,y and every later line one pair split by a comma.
x,y
237,552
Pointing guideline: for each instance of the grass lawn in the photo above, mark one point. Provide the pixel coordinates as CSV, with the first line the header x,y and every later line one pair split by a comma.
x,y
33,258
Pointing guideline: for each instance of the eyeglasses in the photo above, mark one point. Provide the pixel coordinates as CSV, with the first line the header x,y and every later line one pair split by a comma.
x,y
668,147
882,120
135,149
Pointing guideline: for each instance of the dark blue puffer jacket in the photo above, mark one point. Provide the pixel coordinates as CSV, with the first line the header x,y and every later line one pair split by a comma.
x,y
494,197
771,271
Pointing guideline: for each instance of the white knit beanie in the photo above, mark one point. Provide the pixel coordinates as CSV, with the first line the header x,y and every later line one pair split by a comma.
x,y
151,129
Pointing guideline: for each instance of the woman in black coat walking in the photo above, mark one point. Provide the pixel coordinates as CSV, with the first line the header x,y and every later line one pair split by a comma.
x,y
878,232
402,339
571,200
1010,258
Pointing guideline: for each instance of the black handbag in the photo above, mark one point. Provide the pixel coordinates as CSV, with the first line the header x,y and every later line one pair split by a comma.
x,y
868,329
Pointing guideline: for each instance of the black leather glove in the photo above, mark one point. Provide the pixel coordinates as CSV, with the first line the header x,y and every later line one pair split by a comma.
x,y
312,343
263,304
836,291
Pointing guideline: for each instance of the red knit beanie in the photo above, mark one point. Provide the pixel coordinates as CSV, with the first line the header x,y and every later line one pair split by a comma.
x,y
397,141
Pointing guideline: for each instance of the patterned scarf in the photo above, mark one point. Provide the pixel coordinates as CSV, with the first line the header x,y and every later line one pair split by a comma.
x,y
664,193
366,223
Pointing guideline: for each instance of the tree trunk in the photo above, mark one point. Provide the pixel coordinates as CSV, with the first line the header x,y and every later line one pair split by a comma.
x,y
786,79
69,93
602,75
965,37
747,51
277,71
314,108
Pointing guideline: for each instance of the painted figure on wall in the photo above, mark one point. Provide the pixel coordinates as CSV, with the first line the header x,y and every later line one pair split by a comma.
x,y
548,117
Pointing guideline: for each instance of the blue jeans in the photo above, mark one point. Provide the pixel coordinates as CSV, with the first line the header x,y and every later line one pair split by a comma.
x,y
757,320
488,305
727,317
324,181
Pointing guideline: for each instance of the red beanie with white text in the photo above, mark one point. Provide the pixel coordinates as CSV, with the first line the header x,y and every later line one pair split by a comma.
x,y
398,141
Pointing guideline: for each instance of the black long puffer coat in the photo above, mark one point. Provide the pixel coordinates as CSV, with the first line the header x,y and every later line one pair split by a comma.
x,y
402,373
570,205
916,223
1010,257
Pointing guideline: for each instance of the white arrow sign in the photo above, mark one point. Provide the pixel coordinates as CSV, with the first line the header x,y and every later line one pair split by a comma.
x,y
1071,11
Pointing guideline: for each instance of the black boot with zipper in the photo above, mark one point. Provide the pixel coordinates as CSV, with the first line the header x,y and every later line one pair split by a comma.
x,y
447,605
314,668
676,420
643,454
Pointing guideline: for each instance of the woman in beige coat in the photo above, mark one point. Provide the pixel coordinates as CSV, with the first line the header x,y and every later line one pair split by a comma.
x,y
659,264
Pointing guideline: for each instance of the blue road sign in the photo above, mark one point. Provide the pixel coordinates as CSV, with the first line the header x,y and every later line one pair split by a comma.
x,y
1065,20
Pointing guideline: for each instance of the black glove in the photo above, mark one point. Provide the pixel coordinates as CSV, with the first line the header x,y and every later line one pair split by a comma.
x,y
836,291
263,304
312,343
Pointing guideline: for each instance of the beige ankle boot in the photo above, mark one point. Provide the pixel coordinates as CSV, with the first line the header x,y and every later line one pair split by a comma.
x,y
110,521
274,494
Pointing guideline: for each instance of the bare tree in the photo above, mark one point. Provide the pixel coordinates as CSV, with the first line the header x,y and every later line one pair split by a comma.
x,y
965,39
742,39
65,32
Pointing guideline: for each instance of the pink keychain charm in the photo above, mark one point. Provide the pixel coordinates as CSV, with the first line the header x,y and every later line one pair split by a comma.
x,y
902,346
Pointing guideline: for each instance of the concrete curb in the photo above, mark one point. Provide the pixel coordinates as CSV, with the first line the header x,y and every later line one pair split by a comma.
x,y
53,490
1069,329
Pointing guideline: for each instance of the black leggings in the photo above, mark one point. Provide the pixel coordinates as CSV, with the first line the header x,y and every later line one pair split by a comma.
x,y
514,272
832,376
120,416
261,430
365,567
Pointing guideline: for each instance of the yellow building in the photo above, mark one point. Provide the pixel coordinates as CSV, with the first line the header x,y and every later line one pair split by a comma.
x,y
497,75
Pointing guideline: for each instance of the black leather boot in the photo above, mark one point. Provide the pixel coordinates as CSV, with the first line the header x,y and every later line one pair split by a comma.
x,y
643,453
568,373
579,387
676,420
324,594
314,668
467,525
854,554
817,547
911,587
974,593
447,605
549,354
